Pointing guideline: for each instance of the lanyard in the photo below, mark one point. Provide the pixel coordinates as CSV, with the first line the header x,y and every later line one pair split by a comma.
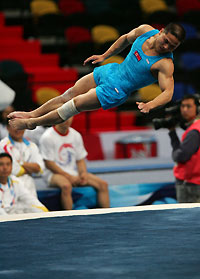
x,y
12,192
23,139
19,149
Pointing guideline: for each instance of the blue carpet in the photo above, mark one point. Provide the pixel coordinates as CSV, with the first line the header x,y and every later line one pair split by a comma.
x,y
144,244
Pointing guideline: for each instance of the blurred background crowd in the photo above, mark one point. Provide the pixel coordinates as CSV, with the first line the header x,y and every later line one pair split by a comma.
x,y
43,44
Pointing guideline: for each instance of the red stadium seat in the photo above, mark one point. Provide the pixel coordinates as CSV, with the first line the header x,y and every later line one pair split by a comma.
x,y
184,6
126,120
20,46
71,7
101,121
11,32
2,19
79,122
93,146
33,59
53,74
77,34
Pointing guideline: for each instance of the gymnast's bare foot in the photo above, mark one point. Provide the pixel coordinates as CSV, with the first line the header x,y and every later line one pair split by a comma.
x,y
19,114
21,124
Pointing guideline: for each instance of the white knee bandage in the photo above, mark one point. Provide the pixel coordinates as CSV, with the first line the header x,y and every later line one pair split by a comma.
x,y
67,110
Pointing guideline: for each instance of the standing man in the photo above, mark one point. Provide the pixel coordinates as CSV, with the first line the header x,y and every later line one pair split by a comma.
x,y
149,60
27,159
64,155
186,153
14,198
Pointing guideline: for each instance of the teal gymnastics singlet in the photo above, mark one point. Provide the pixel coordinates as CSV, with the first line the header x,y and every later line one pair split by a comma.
x,y
115,82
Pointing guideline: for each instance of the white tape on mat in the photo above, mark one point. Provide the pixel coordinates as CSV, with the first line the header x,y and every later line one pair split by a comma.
x,y
53,214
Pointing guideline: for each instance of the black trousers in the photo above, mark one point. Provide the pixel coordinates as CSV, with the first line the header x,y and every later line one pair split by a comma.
x,y
187,192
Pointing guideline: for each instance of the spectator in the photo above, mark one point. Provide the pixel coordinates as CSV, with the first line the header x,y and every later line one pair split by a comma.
x,y
34,135
3,125
14,198
27,160
64,156
187,152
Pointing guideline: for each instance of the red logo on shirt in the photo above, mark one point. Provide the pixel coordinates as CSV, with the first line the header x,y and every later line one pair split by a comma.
x,y
64,153
137,56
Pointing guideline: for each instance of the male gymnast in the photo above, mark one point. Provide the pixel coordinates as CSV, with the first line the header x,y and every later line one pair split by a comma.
x,y
149,60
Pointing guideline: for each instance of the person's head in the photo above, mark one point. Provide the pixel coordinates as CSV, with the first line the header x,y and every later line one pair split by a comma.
x,y
5,112
64,126
16,135
5,166
176,30
189,107
170,38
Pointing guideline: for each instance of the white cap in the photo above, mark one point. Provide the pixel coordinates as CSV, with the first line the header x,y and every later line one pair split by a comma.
x,y
7,95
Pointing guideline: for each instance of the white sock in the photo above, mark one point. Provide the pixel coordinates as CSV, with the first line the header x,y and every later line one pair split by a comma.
x,y
67,110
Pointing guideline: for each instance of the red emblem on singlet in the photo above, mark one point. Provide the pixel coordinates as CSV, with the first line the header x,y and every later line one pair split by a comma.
x,y
137,56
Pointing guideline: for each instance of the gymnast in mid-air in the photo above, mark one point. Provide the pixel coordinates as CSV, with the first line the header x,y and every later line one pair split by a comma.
x,y
150,60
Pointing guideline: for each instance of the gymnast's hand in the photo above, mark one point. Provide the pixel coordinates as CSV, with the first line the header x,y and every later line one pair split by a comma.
x,y
143,107
95,59
19,114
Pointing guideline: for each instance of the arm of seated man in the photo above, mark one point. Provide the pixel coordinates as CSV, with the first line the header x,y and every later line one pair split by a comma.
x,y
82,170
53,167
31,167
31,203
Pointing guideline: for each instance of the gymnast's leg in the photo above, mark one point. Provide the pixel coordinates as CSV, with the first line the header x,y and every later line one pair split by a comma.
x,y
83,102
82,86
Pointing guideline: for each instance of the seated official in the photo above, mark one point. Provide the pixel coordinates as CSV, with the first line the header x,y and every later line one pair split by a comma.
x,y
27,160
14,197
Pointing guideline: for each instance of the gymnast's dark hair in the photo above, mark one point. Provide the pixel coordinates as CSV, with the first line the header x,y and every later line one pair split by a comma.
x,y
4,154
177,30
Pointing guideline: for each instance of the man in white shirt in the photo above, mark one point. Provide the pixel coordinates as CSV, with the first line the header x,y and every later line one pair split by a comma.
x,y
27,160
14,198
32,135
64,154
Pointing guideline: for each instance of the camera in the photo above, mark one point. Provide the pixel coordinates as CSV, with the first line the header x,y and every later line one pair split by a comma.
x,y
172,114
171,119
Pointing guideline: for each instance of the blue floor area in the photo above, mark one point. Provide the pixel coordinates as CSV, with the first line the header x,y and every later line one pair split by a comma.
x,y
147,244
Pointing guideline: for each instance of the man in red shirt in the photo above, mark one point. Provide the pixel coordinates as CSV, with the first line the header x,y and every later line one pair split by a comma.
x,y
186,153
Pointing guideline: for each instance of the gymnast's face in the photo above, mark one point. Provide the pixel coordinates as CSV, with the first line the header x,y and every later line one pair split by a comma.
x,y
166,42
188,109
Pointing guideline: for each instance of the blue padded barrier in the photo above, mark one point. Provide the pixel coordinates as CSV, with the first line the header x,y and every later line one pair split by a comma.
x,y
120,195
113,169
